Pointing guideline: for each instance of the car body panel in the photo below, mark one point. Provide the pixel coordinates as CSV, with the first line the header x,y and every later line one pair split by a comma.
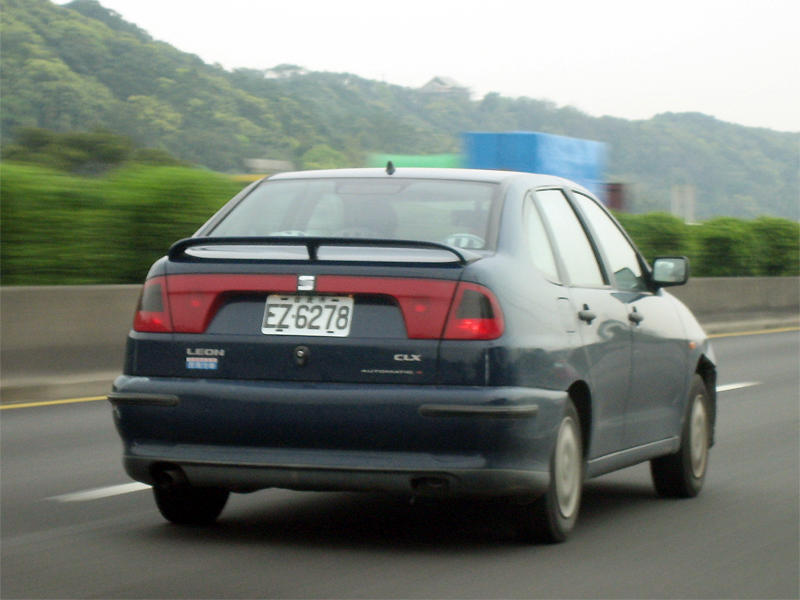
x,y
606,342
660,363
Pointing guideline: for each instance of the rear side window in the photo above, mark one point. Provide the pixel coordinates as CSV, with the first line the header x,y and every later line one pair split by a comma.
x,y
575,250
451,212
538,242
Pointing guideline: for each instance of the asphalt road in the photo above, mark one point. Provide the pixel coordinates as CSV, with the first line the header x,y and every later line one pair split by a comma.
x,y
738,539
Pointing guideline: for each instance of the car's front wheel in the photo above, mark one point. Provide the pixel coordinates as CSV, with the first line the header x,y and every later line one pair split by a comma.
x,y
681,475
187,505
552,516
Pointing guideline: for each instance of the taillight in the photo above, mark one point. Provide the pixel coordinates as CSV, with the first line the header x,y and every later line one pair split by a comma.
x,y
187,303
152,313
475,315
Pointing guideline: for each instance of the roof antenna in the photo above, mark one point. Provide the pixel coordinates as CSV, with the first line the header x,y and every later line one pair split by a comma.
x,y
390,168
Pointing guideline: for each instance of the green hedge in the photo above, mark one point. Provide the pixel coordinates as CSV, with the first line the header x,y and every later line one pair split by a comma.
x,y
65,229
721,247
57,228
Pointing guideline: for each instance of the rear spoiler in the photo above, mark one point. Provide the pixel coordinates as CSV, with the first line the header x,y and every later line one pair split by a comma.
x,y
178,250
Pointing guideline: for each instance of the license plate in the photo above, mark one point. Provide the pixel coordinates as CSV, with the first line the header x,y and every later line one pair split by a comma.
x,y
308,315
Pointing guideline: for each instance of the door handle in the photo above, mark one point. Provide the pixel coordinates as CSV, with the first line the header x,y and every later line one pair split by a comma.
x,y
586,315
635,317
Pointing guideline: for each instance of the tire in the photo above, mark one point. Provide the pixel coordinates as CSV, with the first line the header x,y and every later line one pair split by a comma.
x,y
552,516
681,475
186,505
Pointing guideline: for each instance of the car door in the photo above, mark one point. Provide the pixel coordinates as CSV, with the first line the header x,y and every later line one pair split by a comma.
x,y
601,319
653,410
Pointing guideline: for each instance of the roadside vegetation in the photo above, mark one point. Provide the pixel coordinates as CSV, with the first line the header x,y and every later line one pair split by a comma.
x,y
109,210
62,228
720,247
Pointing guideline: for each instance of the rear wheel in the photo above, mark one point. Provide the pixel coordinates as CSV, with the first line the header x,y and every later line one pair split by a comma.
x,y
681,475
552,516
186,505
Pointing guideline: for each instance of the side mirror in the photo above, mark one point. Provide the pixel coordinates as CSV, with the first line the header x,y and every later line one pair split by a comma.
x,y
670,270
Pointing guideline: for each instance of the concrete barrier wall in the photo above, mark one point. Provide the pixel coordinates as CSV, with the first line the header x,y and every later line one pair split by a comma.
x,y
718,299
60,332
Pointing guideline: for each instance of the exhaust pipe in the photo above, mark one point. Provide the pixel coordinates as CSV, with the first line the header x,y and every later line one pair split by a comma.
x,y
169,476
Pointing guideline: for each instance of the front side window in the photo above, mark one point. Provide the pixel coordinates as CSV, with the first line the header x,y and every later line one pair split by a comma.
x,y
575,250
619,252
450,212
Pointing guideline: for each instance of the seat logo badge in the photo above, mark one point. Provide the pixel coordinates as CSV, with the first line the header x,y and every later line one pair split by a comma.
x,y
306,283
408,357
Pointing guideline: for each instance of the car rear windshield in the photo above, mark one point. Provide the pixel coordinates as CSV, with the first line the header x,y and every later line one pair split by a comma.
x,y
456,213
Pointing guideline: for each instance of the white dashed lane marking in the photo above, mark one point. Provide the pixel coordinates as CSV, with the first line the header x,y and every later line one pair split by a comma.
x,y
103,492
736,386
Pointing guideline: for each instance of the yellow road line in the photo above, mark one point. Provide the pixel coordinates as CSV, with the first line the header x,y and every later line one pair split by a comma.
x,y
758,332
51,402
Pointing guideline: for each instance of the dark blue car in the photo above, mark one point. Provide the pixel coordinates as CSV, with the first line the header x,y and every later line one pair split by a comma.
x,y
429,332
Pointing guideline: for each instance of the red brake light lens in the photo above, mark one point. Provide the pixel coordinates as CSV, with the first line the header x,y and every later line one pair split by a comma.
x,y
152,313
475,315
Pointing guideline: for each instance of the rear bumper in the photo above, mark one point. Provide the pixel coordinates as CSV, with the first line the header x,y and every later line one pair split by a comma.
x,y
426,440
421,482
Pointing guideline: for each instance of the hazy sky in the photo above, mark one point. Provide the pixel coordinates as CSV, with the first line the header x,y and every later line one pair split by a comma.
x,y
737,60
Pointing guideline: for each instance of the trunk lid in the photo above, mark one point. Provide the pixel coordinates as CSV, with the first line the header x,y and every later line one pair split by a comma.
x,y
299,309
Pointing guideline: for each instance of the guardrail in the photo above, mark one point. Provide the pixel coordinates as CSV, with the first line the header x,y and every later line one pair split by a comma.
x,y
59,334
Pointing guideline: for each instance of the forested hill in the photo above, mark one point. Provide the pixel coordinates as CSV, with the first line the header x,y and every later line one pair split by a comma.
x,y
80,66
